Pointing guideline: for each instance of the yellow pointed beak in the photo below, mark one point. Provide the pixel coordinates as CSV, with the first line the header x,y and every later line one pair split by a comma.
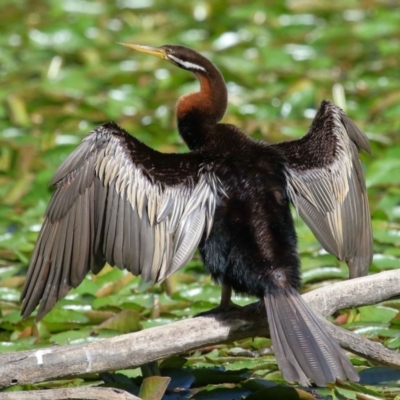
x,y
155,51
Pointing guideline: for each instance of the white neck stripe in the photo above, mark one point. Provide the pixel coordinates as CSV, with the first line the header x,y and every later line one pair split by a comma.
x,y
186,64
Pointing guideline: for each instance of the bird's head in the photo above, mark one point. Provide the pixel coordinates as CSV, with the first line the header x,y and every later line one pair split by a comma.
x,y
180,56
208,105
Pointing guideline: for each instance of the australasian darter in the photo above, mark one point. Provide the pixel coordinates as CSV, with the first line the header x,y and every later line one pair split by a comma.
x,y
121,202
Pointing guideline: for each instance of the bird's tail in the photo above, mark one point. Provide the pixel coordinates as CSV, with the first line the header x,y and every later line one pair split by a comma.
x,y
303,347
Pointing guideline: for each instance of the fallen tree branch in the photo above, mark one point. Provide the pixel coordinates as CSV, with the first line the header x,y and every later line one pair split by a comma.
x,y
356,292
78,393
135,349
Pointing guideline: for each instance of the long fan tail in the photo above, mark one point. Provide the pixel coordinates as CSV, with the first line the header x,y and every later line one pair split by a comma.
x,y
304,349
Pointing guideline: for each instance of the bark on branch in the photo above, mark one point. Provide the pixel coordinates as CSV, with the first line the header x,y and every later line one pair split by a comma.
x,y
78,393
135,349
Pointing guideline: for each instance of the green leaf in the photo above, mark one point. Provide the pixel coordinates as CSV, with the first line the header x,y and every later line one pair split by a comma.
x,y
280,392
59,315
124,322
154,387
393,343
356,388
212,393
383,172
73,337
386,232
377,314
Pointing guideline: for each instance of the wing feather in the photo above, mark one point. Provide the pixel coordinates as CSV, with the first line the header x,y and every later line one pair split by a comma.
x,y
190,232
135,243
127,246
119,233
146,247
118,201
326,185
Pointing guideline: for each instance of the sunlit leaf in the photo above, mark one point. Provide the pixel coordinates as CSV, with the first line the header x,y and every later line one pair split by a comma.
x,y
58,315
124,322
153,388
350,387
377,314
393,343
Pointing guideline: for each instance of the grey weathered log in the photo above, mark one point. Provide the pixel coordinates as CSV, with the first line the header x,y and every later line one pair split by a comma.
x,y
135,349
87,393
356,292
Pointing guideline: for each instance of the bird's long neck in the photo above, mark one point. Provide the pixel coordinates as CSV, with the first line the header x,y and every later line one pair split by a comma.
x,y
198,112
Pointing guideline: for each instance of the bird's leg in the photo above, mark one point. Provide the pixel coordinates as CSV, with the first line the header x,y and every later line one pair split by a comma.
x,y
150,369
226,304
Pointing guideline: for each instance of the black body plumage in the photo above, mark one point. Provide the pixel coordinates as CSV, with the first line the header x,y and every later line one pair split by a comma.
x,y
118,201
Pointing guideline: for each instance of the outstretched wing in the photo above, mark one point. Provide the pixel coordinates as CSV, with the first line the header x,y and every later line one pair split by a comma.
x,y
326,185
118,201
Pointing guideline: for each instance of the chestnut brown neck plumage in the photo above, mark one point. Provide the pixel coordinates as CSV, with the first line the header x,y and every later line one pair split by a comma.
x,y
203,109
